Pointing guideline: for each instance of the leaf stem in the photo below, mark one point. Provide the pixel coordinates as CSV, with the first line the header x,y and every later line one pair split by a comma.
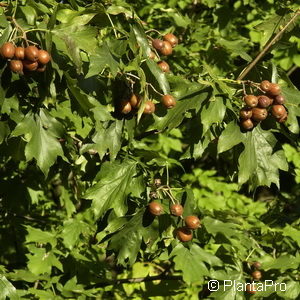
x,y
113,25
268,46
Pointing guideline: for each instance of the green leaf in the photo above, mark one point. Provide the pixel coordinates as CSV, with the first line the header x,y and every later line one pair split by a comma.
x,y
128,240
174,116
101,59
108,139
113,186
36,235
212,112
42,144
41,262
159,75
230,137
193,269
283,262
71,232
4,131
214,226
7,290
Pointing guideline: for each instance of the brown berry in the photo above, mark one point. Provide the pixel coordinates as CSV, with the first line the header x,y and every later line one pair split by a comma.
x,y
279,99
166,49
125,107
158,44
30,65
246,113
265,85
250,288
278,111
32,53
20,53
155,208
184,234
247,124
43,57
192,222
8,50
164,66
259,114
256,275
274,90
256,265
134,101
171,38
176,210
149,108
16,66
264,101
168,101
251,100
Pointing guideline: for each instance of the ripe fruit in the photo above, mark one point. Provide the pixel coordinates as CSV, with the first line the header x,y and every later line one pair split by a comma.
x,y
158,44
168,101
166,49
265,85
43,57
246,113
16,66
20,53
264,101
125,107
32,53
279,100
247,124
30,65
184,234
134,101
274,89
8,50
164,66
171,38
256,275
256,265
278,111
259,114
192,222
155,208
251,100
251,288
176,210
149,108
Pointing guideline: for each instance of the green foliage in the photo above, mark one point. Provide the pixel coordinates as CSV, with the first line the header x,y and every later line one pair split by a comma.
x,y
76,175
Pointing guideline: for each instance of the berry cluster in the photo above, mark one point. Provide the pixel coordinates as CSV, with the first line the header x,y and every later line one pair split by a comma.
x,y
132,103
164,47
256,275
184,233
29,59
257,107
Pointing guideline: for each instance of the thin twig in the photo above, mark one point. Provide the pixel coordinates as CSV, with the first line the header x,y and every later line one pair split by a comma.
x,y
113,25
267,47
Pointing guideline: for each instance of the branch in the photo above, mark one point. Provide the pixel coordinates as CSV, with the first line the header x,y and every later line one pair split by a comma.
x,y
134,280
267,47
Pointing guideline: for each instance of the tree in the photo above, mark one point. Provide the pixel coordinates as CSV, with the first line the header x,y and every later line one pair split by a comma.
x,y
132,167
